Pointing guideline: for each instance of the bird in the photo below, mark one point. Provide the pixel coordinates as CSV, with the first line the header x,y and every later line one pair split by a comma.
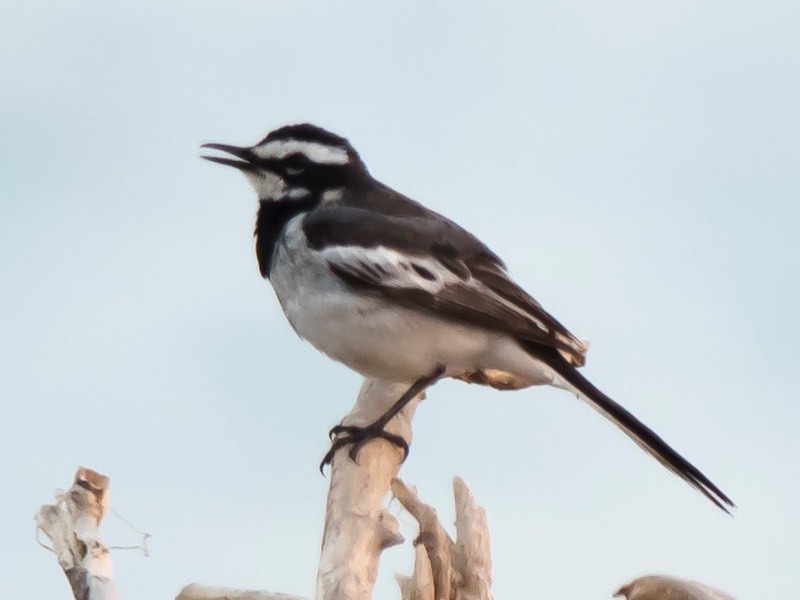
x,y
400,293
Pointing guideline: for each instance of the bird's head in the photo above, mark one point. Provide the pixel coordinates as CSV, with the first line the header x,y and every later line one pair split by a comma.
x,y
295,162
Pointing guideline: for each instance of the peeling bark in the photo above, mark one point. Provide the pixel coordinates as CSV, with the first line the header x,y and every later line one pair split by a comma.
x,y
71,524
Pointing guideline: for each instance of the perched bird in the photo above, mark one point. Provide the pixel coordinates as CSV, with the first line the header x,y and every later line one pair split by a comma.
x,y
400,293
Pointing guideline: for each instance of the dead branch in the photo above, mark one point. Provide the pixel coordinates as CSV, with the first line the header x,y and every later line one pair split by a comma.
x,y
71,525
195,591
665,587
446,569
357,526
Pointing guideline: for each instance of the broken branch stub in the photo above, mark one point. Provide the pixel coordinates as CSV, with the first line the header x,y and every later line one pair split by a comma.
x,y
665,587
460,570
195,591
71,525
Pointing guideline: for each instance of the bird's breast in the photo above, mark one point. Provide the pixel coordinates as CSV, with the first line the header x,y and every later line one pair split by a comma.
x,y
381,339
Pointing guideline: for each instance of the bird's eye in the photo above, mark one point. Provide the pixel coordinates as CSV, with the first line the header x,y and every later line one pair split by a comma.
x,y
296,163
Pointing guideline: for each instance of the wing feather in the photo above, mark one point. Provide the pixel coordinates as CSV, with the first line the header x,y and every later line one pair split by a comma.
x,y
432,264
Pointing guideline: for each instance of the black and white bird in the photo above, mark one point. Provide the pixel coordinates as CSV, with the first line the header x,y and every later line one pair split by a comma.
x,y
400,293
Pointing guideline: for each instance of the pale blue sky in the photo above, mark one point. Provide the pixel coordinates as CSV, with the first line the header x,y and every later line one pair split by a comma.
x,y
635,163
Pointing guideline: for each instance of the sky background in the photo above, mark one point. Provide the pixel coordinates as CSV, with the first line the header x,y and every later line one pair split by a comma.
x,y
636,164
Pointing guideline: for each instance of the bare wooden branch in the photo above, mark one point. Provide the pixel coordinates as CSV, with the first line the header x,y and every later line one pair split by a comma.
x,y
196,591
357,526
472,556
460,569
71,524
432,537
420,585
664,587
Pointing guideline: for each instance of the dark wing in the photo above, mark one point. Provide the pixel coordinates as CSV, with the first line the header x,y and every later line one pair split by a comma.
x,y
428,263
431,264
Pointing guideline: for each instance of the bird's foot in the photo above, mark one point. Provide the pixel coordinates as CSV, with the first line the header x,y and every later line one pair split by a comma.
x,y
358,436
343,435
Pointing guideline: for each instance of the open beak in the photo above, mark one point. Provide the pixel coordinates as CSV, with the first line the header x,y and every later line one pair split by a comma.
x,y
245,154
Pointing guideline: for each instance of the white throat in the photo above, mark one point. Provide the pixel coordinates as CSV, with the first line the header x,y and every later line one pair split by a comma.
x,y
267,185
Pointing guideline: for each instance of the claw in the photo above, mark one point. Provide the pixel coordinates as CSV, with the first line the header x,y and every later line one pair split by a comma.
x,y
334,431
358,436
328,458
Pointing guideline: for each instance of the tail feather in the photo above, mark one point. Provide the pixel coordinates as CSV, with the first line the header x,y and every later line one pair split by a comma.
x,y
640,433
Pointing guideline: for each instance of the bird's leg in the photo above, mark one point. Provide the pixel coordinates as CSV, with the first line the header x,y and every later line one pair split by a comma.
x,y
358,436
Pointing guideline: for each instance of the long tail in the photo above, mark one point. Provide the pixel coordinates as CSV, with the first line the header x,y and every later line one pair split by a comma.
x,y
640,433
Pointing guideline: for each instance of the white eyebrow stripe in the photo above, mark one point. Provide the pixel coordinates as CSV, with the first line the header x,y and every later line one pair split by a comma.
x,y
315,151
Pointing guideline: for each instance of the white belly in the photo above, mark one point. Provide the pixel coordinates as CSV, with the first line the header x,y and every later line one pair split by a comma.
x,y
382,340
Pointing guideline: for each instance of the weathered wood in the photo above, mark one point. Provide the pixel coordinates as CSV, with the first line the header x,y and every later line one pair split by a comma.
x,y
432,537
196,591
357,526
71,524
664,587
420,585
459,569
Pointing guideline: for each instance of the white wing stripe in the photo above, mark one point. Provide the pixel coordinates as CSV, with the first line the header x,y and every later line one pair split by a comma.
x,y
398,270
